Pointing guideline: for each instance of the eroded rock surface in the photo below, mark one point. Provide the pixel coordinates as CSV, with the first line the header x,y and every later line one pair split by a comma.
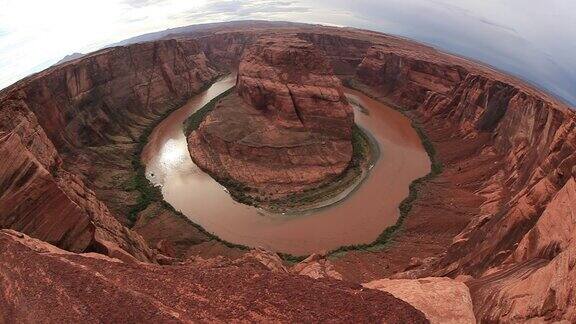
x,y
534,287
41,283
517,153
442,300
316,266
72,131
287,127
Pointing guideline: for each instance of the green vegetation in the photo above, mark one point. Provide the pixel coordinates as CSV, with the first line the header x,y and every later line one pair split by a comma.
x,y
148,192
194,121
292,259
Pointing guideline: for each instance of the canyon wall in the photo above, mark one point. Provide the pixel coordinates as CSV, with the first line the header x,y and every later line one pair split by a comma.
x,y
59,126
31,198
224,50
531,136
344,52
532,133
540,285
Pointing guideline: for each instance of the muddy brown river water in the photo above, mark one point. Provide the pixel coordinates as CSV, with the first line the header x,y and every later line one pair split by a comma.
x,y
359,218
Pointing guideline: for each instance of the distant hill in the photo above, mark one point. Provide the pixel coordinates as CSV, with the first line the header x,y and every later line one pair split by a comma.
x,y
178,31
70,58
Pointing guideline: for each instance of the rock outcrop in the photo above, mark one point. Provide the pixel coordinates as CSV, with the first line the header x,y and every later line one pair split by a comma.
x,y
442,300
316,266
41,283
555,229
534,287
286,128
24,178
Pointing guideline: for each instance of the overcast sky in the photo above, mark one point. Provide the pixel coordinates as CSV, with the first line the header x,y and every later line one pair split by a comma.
x,y
531,38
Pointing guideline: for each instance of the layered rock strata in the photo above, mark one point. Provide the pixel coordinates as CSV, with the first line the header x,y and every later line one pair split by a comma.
x,y
286,128
524,141
65,128
535,287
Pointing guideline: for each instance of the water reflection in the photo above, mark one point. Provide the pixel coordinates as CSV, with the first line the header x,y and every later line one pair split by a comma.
x,y
172,154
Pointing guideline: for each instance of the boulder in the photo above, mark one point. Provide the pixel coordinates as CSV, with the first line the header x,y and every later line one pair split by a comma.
x,y
442,300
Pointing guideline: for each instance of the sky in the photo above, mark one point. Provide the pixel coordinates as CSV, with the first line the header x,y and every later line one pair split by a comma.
x,y
532,39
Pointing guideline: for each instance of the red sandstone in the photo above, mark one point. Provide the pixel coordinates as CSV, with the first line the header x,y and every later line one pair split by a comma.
x,y
292,129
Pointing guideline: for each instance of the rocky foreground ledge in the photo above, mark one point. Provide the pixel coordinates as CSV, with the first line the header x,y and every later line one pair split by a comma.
x,y
41,283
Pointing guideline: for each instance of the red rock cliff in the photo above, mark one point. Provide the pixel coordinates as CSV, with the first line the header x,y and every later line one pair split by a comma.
x,y
529,136
59,126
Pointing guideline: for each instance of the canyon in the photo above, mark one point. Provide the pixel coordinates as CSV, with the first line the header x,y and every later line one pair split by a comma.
x,y
309,227
489,231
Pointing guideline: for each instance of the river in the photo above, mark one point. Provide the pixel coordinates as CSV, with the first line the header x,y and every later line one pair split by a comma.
x,y
359,218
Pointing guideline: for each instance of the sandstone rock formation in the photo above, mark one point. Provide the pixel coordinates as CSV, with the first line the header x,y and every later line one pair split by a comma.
x,y
524,141
534,288
316,266
25,178
269,259
555,229
442,300
288,126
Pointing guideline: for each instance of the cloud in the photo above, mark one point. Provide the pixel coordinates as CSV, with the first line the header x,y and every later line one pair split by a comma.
x,y
533,39
495,24
143,3
245,9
